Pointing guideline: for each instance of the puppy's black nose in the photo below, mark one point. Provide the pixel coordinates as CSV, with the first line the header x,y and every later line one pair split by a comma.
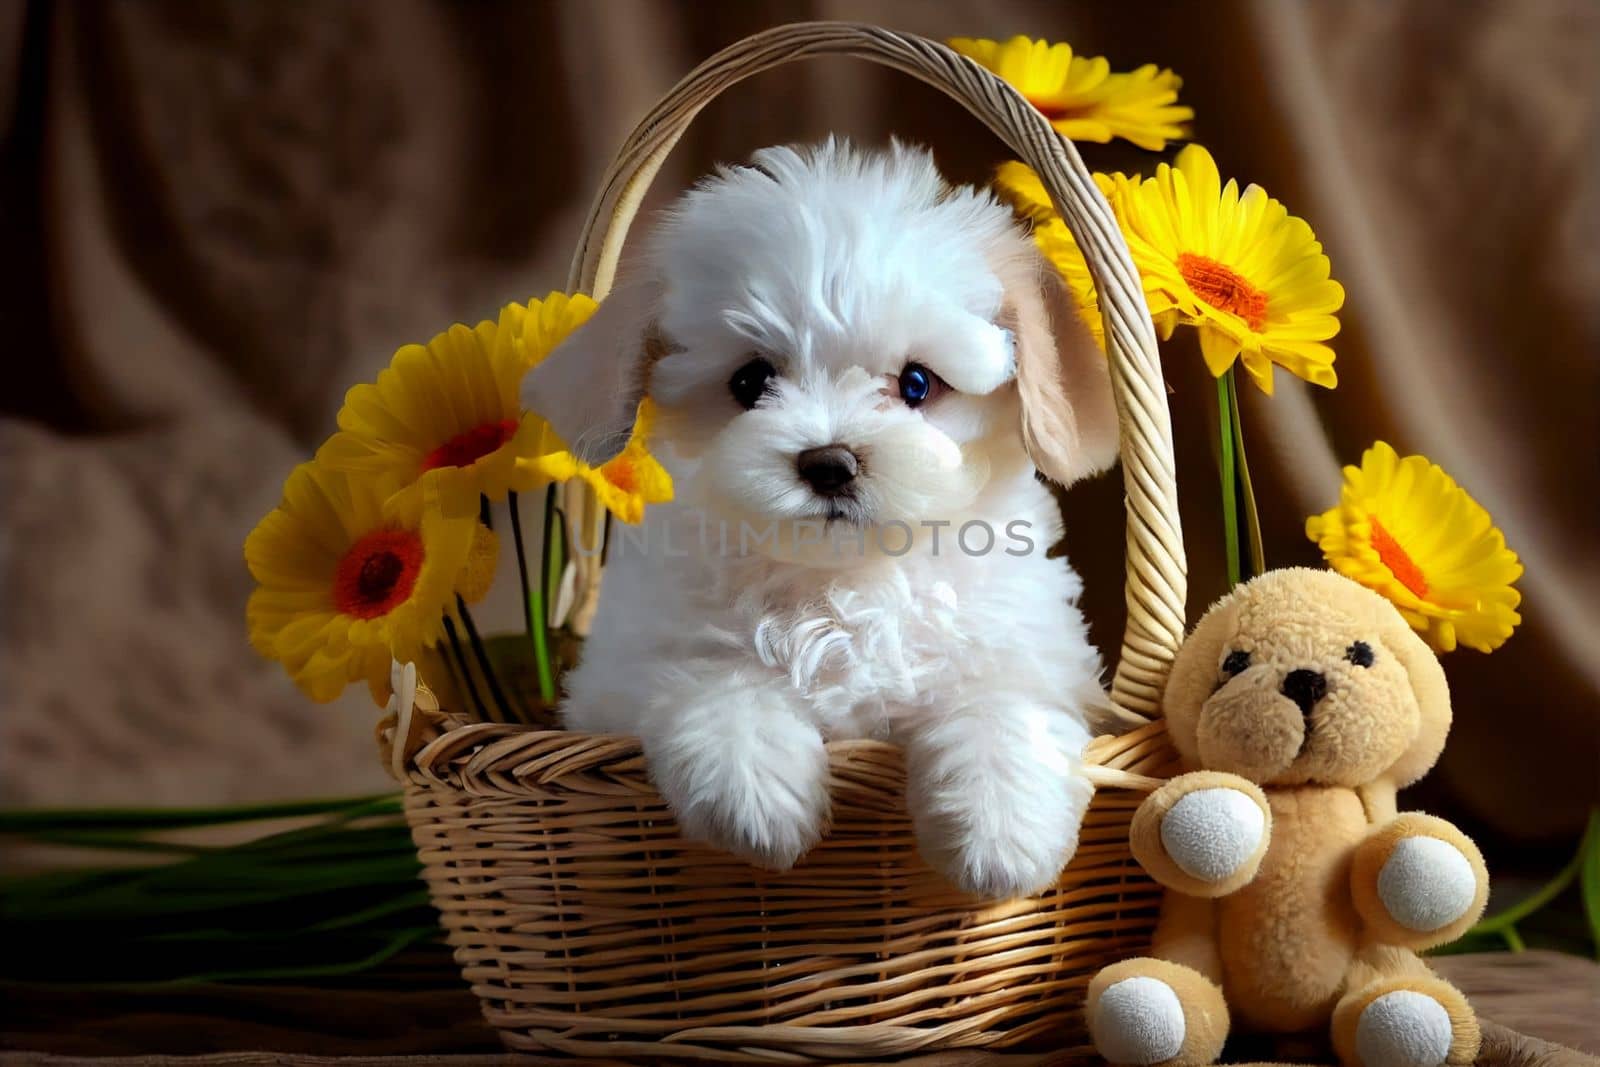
x,y
828,469
1305,688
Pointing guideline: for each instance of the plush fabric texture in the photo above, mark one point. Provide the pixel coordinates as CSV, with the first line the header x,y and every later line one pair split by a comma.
x,y
1404,1028
1135,1026
1419,881
1151,830
1401,1027
1315,924
1426,884
1141,1019
1287,937
1210,833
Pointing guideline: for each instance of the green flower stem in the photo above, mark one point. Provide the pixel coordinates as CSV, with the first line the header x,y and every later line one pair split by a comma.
x,y
482,656
1252,517
1498,923
1584,869
533,607
1230,505
554,563
464,668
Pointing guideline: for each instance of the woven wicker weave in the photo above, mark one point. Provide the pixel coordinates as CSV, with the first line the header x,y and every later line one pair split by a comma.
x,y
587,926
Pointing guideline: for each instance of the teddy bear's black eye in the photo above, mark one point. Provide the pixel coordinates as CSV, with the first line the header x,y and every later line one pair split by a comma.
x,y
1236,662
749,382
1360,654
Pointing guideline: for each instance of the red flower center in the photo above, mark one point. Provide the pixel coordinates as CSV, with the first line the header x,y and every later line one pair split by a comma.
x,y
1224,289
465,449
1402,566
377,574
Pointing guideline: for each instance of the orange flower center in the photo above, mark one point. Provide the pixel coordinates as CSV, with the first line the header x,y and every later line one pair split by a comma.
x,y
465,449
1402,566
620,473
1224,289
377,574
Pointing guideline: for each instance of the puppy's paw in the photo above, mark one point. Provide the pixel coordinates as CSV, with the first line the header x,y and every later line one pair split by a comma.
x,y
1203,833
996,813
751,780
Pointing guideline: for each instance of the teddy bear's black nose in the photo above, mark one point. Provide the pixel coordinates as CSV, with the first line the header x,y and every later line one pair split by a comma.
x,y
1305,688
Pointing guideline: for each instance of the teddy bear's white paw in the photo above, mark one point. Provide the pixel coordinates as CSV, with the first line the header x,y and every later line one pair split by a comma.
x,y
1211,833
1426,884
1403,1029
1138,1020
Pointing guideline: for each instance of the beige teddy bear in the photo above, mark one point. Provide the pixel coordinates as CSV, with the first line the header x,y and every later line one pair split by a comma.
x,y
1297,895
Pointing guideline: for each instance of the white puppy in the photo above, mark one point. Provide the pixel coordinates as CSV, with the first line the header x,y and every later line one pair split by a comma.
x,y
857,369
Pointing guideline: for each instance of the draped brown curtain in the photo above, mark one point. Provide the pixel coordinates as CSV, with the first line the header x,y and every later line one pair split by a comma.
x,y
217,216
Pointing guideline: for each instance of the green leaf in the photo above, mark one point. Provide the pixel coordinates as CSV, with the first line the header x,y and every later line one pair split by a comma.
x,y
148,820
1590,857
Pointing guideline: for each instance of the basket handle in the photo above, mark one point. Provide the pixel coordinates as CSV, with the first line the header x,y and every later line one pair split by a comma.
x,y
1156,567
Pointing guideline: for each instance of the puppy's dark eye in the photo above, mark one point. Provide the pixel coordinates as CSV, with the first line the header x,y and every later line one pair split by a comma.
x,y
1360,654
1236,662
918,385
750,381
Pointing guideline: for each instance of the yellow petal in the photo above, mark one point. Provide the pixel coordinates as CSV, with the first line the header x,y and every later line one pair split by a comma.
x,y
1218,349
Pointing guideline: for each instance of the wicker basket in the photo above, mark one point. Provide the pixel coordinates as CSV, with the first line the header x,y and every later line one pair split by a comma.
x,y
587,925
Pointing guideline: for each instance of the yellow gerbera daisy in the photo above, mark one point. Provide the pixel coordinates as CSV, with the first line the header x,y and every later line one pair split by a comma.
x,y
634,478
1404,528
1019,185
446,416
626,484
344,589
1237,265
1080,95
531,332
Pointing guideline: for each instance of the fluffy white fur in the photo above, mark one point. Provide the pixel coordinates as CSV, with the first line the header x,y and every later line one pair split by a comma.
x,y
736,656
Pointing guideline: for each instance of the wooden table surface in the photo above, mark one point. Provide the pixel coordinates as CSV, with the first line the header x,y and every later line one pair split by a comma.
x,y
1536,1002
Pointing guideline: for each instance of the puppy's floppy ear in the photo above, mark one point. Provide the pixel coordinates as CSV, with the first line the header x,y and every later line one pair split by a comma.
x,y
1069,420
590,387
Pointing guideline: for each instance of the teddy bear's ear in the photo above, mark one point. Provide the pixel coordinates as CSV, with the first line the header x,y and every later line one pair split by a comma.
x,y
1433,700
1194,676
